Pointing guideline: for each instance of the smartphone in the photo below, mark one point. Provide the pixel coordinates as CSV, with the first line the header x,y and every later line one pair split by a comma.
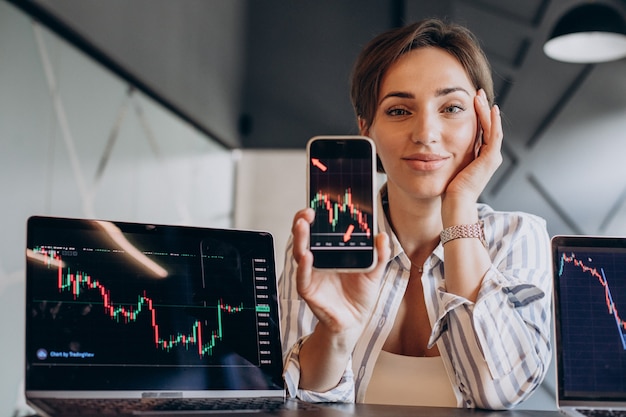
x,y
341,179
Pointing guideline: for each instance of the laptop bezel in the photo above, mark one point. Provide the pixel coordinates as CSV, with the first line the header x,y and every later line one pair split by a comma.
x,y
30,393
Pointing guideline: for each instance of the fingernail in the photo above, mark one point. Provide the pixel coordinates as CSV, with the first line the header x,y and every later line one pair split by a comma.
x,y
481,96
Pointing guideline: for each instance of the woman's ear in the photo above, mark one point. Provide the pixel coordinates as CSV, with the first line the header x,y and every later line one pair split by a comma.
x,y
363,128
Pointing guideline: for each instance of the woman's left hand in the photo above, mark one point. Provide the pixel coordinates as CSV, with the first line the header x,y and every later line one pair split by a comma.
x,y
466,259
470,182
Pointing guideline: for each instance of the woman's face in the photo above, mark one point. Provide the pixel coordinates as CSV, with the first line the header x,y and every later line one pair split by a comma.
x,y
425,124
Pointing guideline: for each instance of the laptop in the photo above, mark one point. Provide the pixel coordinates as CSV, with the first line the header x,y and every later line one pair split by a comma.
x,y
590,320
144,319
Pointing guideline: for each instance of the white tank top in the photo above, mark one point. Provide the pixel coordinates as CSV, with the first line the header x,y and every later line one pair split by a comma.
x,y
408,380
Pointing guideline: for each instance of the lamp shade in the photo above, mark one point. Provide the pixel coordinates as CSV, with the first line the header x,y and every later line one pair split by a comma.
x,y
589,33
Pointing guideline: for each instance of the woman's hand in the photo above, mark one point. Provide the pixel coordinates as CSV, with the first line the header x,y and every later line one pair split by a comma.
x,y
470,182
466,259
342,302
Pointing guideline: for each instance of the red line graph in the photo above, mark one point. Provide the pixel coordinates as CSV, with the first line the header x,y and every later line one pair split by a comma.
x,y
608,298
78,282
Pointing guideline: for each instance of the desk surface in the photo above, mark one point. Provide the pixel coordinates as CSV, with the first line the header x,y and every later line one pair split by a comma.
x,y
370,410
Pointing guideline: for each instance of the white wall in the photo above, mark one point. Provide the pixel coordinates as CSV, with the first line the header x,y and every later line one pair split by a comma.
x,y
271,187
61,117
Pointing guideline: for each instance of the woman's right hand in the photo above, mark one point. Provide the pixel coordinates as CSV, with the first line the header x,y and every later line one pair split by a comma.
x,y
341,301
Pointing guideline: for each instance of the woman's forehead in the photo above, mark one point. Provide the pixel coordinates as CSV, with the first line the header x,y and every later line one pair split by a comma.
x,y
428,68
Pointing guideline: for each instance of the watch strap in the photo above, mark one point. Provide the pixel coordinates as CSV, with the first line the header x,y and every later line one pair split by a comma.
x,y
461,231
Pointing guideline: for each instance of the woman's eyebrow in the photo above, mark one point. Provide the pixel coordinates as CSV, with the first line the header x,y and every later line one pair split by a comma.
x,y
398,94
440,92
449,90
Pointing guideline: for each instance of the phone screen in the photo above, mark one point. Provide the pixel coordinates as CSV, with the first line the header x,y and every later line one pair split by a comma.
x,y
341,191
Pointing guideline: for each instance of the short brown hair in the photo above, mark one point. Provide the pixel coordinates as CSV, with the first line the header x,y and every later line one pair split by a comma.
x,y
385,49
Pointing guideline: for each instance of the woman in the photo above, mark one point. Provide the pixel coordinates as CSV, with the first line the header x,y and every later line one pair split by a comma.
x,y
457,310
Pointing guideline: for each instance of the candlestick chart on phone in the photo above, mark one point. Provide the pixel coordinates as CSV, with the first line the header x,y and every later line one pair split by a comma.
x,y
340,194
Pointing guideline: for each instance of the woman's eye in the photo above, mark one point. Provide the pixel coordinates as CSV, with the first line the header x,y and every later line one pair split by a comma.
x,y
397,112
453,109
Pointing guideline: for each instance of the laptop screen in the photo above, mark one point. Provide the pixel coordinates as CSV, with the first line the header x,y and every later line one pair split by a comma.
x,y
590,307
127,306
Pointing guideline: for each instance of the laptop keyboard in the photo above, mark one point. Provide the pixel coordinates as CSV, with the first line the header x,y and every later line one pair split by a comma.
x,y
128,406
220,404
601,413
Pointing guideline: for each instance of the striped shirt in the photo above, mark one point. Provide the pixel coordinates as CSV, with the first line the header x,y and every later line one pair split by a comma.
x,y
496,350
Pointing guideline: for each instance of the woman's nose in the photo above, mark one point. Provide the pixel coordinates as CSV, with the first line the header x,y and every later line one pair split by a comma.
x,y
425,128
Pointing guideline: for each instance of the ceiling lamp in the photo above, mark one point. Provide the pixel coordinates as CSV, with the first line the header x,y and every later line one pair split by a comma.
x,y
589,33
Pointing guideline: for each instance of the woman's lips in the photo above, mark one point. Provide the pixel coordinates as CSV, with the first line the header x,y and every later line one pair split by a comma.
x,y
425,162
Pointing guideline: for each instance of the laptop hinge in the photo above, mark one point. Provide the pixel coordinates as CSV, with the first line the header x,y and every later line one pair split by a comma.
x,y
161,395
